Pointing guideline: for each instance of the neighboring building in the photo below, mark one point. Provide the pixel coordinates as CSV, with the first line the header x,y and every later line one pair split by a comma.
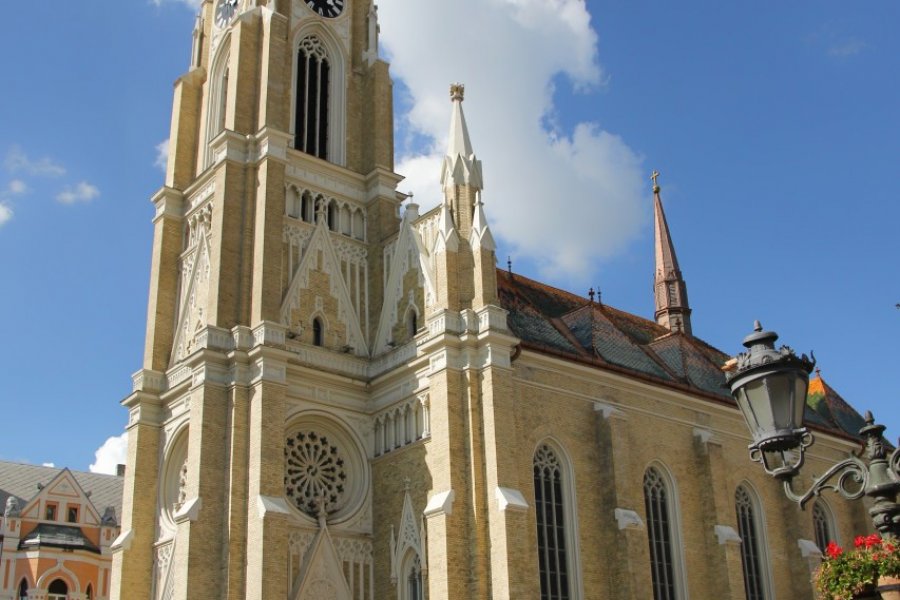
x,y
340,401
57,529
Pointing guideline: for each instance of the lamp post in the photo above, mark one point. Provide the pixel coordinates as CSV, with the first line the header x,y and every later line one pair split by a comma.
x,y
770,387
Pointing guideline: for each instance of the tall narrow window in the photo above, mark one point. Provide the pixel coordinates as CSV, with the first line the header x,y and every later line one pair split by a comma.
x,y
414,589
550,509
751,547
317,332
89,593
23,590
312,95
58,590
657,501
223,103
412,323
823,525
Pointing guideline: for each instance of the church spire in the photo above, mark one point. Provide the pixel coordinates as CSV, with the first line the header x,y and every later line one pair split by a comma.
x,y
672,308
461,167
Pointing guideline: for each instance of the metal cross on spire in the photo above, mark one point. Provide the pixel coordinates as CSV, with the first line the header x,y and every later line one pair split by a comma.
x,y
654,176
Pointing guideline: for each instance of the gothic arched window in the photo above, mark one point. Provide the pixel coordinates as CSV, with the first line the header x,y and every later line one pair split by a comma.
x,y
218,100
752,547
662,533
312,97
58,590
413,579
318,332
89,593
307,208
554,533
412,323
823,524
23,589
333,216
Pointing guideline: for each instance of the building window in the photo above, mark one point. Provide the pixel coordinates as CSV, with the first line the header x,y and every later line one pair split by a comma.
x,y
50,513
412,323
660,530
414,590
552,532
218,101
72,514
823,524
312,96
333,216
89,593
23,590
317,332
58,590
751,547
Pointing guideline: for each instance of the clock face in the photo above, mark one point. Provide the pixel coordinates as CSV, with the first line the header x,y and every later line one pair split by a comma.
x,y
225,11
326,8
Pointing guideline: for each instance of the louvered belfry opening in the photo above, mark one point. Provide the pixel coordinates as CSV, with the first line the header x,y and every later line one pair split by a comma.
x,y
313,84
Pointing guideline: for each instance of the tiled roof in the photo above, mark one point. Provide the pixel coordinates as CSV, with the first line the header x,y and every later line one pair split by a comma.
x,y
58,536
561,323
829,408
22,482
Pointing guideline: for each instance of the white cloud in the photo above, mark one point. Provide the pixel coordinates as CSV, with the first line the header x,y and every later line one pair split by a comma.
x,y
162,154
111,454
846,48
81,192
561,198
6,213
48,464
17,187
17,161
190,3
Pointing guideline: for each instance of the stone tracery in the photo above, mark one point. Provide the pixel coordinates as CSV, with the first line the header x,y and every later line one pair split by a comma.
x,y
315,472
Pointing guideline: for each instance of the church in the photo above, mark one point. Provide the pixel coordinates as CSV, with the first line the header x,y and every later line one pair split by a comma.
x,y
343,397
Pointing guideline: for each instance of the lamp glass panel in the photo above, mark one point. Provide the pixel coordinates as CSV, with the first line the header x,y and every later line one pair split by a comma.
x,y
757,398
781,394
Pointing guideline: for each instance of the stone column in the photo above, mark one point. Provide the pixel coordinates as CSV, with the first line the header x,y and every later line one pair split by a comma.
x,y
446,514
132,552
201,519
267,511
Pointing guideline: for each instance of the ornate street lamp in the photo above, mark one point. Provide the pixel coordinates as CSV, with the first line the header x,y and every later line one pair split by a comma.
x,y
770,387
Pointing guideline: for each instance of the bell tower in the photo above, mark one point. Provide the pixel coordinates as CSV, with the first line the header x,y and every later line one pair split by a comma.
x,y
249,434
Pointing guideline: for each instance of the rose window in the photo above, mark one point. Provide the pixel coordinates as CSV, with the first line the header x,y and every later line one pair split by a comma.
x,y
315,473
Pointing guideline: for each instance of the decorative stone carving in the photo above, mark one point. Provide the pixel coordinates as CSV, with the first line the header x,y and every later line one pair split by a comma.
x,y
109,517
12,507
314,471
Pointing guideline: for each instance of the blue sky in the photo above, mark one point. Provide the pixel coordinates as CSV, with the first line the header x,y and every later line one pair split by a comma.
x,y
775,127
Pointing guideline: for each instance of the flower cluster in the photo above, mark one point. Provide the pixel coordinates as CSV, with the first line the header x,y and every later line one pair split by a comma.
x,y
845,575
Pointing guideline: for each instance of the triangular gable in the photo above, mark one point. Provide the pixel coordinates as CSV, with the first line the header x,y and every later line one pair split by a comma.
x,y
411,537
193,302
63,489
322,575
408,240
321,240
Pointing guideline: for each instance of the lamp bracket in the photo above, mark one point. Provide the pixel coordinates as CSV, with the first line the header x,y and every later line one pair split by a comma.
x,y
852,478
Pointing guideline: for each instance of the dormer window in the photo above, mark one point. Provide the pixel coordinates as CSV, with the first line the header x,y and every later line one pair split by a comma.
x,y
72,514
50,512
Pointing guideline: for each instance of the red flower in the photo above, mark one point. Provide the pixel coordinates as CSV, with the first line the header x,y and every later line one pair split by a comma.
x,y
858,541
833,550
873,540
889,547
